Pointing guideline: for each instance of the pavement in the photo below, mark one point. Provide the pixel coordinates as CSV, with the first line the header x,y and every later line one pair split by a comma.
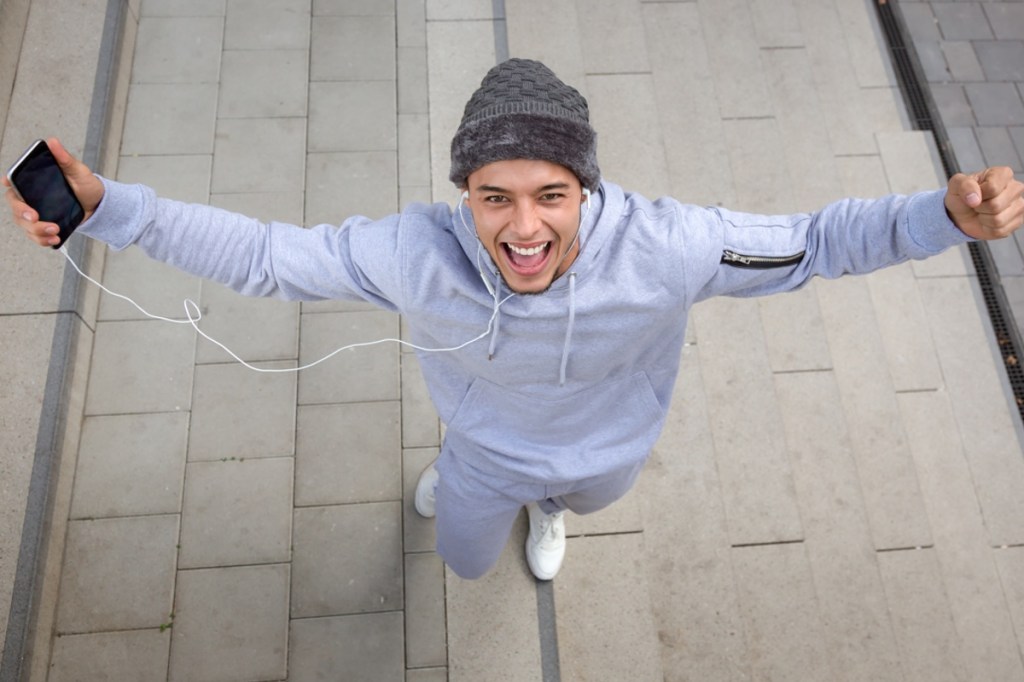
x,y
836,495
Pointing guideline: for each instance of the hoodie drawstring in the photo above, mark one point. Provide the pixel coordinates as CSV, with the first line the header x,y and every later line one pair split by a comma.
x,y
497,316
568,329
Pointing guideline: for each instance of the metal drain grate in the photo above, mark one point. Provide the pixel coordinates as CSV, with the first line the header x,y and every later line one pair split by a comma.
x,y
921,108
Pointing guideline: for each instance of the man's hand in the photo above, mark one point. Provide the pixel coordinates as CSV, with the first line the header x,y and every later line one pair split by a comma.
x,y
87,187
986,205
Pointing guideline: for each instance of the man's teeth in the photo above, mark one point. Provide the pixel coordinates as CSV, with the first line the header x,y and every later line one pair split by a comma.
x,y
533,251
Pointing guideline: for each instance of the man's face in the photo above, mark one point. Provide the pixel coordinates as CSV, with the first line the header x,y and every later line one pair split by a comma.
x,y
527,213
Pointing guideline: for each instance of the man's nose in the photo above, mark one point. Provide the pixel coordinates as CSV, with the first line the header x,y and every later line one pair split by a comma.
x,y
526,221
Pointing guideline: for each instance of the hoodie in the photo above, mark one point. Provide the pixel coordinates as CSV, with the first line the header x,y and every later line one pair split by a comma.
x,y
557,387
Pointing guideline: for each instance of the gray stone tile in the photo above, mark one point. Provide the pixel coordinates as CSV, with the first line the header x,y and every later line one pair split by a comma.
x,y
411,23
259,25
253,328
503,601
364,374
624,111
929,648
178,50
962,20
757,484
911,357
359,648
182,177
285,207
966,149
263,83
889,483
619,51
687,550
231,624
412,80
157,288
426,641
696,153
920,22
427,675
995,104
453,75
420,427
129,655
780,613
962,61
131,464
851,599
987,639
182,8
933,62
413,151
911,161
356,8
170,119
604,611
348,453
343,184
143,366
997,147
347,559
954,109
979,404
754,148
793,331
98,594
418,534
259,155
862,176
1006,18
1009,262
1017,135
735,60
863,37
1002,60
776,23
353,116
459,10
236,512
1010,561
353,48
237,412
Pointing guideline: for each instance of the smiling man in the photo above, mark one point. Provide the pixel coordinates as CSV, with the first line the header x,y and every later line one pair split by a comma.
x,y
549,306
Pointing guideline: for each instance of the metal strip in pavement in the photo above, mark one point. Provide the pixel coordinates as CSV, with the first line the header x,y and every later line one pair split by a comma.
x,y
49,437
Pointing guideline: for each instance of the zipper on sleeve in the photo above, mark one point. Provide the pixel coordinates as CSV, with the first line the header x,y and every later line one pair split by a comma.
x,y
739,260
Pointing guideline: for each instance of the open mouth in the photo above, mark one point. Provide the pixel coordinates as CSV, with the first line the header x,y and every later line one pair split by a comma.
x,y
527,259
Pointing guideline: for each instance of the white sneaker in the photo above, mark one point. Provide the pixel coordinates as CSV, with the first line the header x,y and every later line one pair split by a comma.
x,y
545,544
425,499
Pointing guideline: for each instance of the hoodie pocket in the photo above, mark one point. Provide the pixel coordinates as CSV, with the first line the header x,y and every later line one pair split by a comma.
x,y
537,438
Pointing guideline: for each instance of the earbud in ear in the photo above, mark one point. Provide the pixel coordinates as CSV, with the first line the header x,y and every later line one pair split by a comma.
x,y
465,196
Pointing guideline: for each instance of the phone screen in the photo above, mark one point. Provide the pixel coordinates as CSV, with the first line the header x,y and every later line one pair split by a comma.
x,y
41,184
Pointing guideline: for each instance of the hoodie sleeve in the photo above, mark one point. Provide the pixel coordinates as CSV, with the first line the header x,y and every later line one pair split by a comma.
x,y
758,255
358,260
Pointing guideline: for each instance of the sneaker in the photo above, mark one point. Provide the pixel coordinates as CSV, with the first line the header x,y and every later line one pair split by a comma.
x,y
424,499
545,544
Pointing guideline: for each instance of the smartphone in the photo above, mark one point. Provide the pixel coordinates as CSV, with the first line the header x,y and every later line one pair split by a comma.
x,y
37,178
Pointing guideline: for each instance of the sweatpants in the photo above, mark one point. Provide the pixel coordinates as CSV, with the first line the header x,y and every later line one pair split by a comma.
x,y
475,510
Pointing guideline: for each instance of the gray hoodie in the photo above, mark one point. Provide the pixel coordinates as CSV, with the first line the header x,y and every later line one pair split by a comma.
x,y
561,386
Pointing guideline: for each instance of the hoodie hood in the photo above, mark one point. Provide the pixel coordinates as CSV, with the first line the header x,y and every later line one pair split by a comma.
x,y
596,224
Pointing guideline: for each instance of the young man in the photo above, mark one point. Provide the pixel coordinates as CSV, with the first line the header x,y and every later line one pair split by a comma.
x,y
560,300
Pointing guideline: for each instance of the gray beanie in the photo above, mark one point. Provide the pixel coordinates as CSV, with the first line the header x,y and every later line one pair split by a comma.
x,y
523,111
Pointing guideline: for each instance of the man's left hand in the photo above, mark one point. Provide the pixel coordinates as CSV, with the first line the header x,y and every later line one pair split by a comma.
x,y
986,205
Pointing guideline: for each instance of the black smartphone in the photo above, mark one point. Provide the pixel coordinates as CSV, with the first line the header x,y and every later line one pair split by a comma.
x,y
41,184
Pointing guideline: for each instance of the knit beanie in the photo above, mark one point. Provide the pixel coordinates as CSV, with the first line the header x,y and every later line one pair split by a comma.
x,y
523,111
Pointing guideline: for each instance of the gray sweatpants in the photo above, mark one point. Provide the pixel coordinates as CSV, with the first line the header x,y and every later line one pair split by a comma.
x,y
475,510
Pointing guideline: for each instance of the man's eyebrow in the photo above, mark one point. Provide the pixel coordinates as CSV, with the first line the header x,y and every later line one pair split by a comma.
x,y
502,190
